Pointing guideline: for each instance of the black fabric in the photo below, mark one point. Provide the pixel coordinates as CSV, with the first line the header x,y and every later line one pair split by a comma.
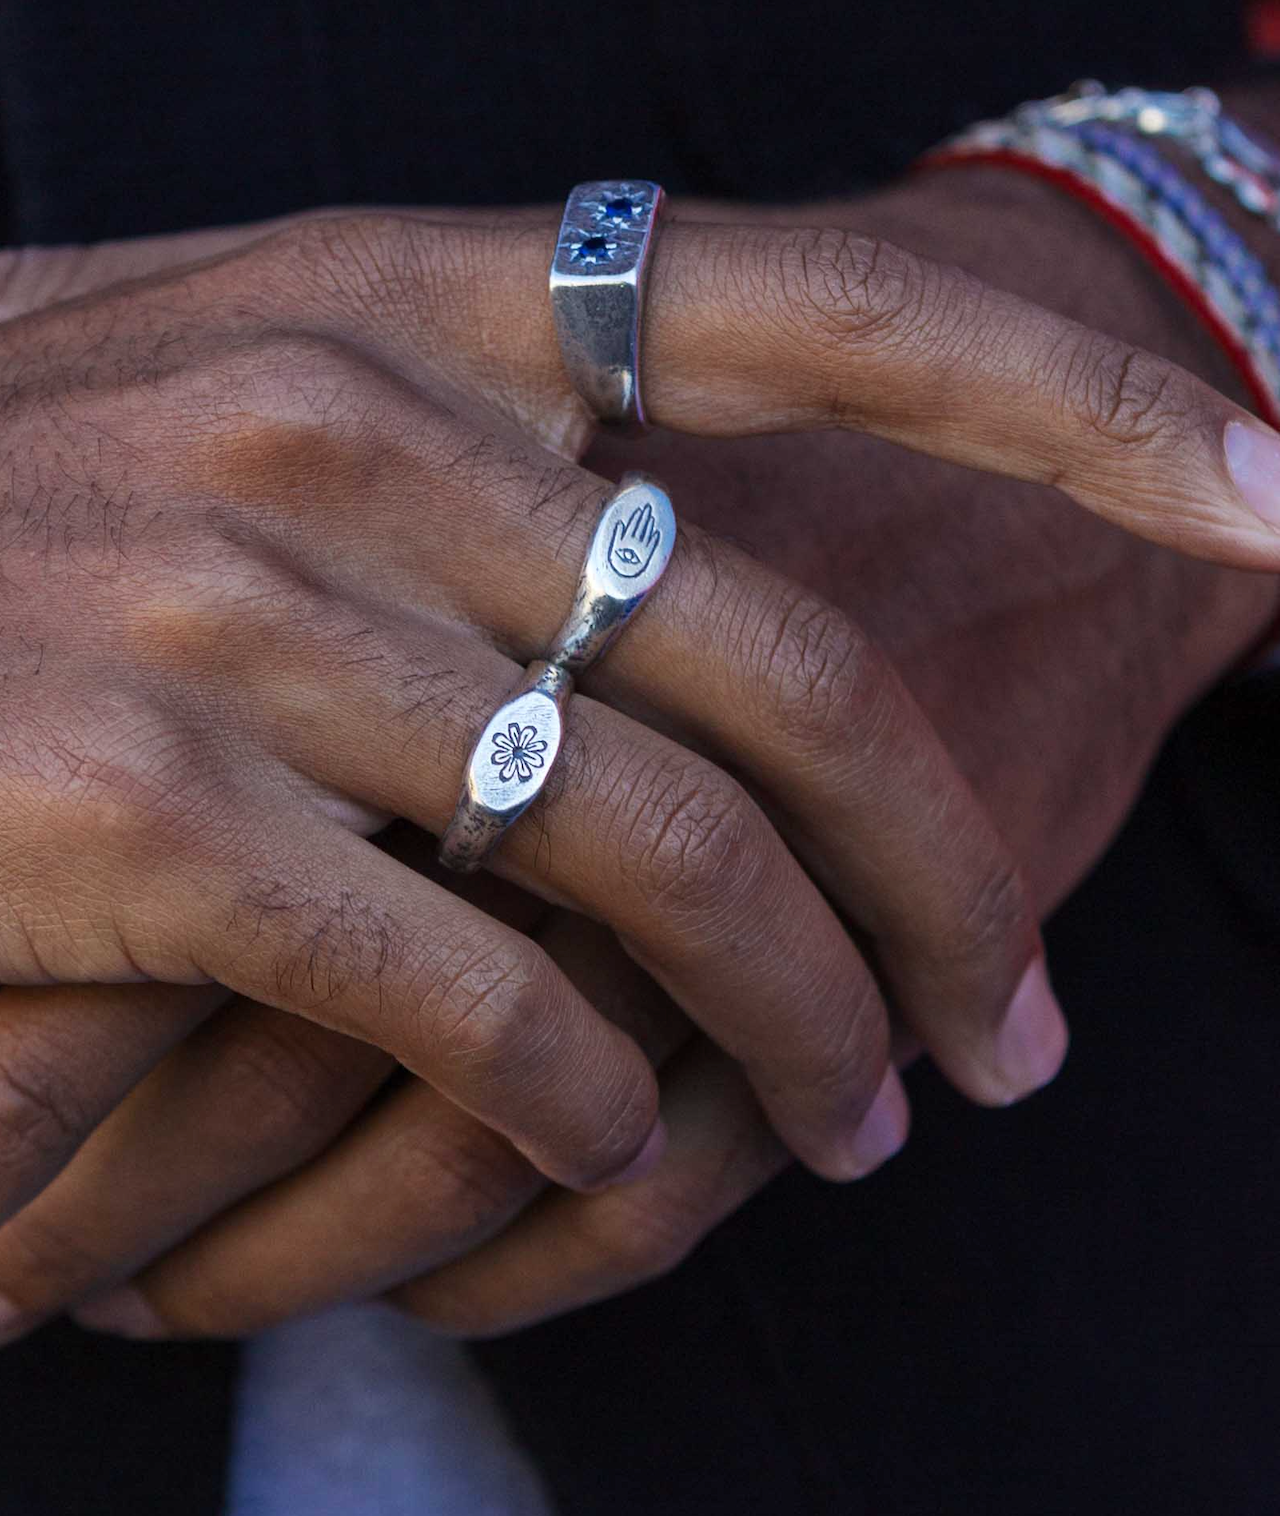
x,y
995,1323
1062,1308
94,1427
148,115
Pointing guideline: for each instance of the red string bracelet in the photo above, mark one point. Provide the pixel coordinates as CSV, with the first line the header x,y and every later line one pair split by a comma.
x,y
1268,643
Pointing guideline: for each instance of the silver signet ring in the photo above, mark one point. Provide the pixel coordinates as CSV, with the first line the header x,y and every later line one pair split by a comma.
x,y
598,276
513,756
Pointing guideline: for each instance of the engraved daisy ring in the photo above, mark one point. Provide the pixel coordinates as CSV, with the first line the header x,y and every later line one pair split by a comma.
x,y
514,754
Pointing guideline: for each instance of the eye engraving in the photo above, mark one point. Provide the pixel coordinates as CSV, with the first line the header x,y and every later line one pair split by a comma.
x,y
517,751
633,544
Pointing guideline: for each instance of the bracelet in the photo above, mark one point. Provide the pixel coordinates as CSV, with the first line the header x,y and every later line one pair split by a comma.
x,y
1090,143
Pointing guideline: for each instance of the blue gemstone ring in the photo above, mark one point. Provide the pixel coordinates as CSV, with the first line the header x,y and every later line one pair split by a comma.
x,y
598,275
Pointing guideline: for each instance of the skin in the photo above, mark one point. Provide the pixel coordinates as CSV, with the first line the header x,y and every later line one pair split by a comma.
x,y
352,1222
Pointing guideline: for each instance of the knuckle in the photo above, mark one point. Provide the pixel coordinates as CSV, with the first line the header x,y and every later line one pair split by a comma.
x,y
218,636
284,1082
290,373
620,1127
993,918
329,247
462,1179
636,1239
688,837
843,292
1123,395
42,1118
471,1004
815,665
841,1060
845,287
366,263
137,791
49,1261
301,409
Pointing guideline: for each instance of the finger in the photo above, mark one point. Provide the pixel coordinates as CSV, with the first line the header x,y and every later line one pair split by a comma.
x,y
753,331
34,277
635,831
418,1182
684,849
773,682
248,1097
253,1095
559,1256
778,683
290,909
68,1056
414,1182
256,1268
765,329
759,329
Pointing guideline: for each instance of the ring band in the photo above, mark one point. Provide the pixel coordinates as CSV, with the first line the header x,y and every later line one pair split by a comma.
x,y
514,754
598,276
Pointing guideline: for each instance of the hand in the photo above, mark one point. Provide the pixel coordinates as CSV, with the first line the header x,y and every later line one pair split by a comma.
x,y
1039,671
273,483
771,1148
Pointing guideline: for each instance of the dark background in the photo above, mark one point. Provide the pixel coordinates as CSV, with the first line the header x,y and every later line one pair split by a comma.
x,y
1067,1307
141,116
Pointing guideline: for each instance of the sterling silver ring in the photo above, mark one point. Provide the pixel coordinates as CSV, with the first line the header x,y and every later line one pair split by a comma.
x,y
598,276
514,754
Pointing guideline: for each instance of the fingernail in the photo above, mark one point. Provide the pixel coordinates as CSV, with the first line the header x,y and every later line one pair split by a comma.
x,y
1032,1040
122,1312
14,1321
1253,457
645,1161
884,1128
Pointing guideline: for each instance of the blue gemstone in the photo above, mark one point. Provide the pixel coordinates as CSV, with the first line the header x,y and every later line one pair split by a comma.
x,y
592,249
621,208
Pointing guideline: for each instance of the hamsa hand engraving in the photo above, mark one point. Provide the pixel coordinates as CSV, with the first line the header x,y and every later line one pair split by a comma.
x,y
634,542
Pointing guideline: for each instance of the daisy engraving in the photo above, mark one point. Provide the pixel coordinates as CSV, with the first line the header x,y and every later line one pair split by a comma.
x,y
517,751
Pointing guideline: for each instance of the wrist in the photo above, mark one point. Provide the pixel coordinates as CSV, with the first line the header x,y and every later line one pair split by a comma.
x,y
1025,235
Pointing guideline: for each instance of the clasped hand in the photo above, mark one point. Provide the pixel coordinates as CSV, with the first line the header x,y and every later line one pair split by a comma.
x,y
271,524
